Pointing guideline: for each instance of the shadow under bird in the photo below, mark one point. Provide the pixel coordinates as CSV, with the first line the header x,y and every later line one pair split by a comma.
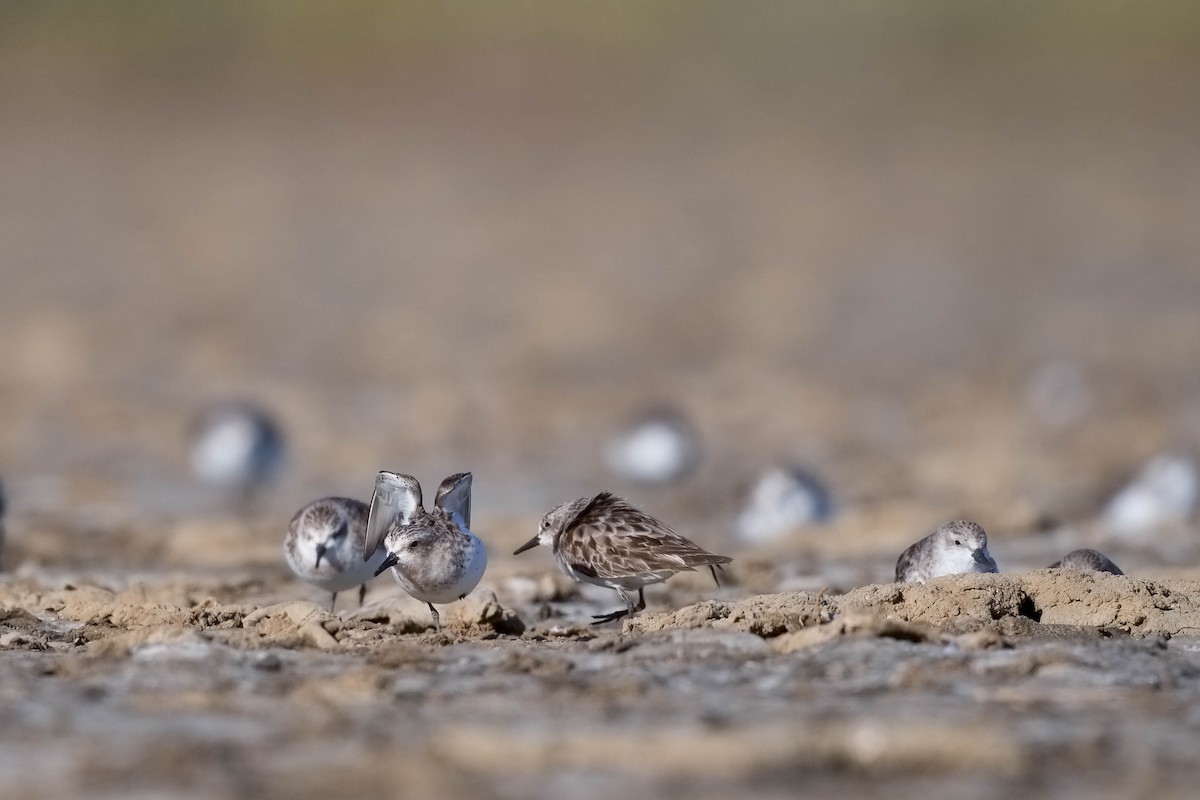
x,y
955,548
324,545
606,541
432,554
1087,560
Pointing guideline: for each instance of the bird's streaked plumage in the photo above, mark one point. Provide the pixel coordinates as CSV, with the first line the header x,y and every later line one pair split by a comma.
x,y
606,541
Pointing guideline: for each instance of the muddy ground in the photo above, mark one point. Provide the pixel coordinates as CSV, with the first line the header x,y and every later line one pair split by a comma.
x,y
945,259
1076,684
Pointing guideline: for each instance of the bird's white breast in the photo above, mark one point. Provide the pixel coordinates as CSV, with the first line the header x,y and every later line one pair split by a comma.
x,y
341,567
448,577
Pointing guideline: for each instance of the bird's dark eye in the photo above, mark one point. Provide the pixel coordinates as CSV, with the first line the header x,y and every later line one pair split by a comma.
x,y
413,545
958,541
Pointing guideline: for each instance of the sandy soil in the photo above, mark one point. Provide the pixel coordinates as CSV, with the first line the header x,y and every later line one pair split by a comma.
x,y
997,685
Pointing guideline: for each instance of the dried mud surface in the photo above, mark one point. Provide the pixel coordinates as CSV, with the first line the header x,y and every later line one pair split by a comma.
x,y
1047,680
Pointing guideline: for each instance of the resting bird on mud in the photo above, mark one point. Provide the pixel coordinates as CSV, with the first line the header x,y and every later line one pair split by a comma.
x,y
957,547
1087,560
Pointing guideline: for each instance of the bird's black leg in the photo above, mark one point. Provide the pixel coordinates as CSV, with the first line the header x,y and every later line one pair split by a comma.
x,y
362,592
641,606
437,621
714,568
600,619
332,602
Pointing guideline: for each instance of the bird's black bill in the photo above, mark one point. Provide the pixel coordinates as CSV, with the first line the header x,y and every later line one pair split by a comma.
x,y
983,558
320,554
388,563
532,543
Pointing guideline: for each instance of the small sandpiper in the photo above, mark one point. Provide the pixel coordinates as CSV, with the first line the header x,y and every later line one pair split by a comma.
x,y
784,499
659,448
238,447
432,554
324,545
1165,492
957,547
1087,560
606,541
